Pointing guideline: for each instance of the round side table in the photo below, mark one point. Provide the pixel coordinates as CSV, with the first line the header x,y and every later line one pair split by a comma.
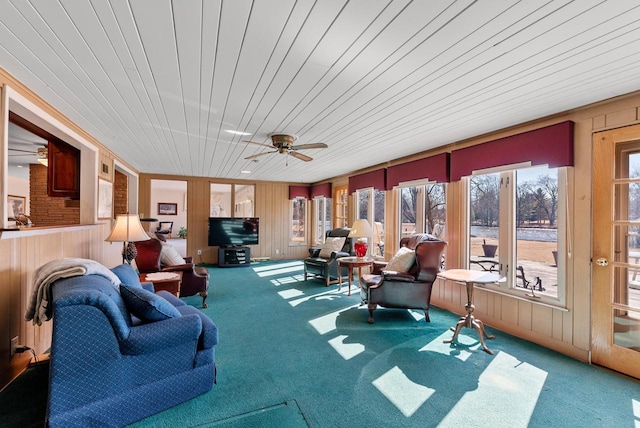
x,y
350,263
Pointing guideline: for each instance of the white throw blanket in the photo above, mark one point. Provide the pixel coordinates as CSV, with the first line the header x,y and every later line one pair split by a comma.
x,y
39,309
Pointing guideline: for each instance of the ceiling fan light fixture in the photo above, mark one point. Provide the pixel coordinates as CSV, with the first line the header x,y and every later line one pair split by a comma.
x,y
43,156
283,140
283,144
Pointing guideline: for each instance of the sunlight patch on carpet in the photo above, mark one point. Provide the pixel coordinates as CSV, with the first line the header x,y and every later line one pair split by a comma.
x,y
459,350
264,271
327,323
328,295
278,266
505,380
346,350
403,393
285,280
636,412
290,293
417,315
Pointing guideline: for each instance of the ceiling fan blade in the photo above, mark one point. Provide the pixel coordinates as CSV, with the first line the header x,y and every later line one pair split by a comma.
x,y
300,156
258,144
23,151
310,146
260,154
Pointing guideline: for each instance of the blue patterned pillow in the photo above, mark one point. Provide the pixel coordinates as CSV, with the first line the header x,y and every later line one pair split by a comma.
x,y
147,306
127,275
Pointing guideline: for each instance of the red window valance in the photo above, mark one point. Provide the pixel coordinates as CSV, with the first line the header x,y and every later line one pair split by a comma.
x,y
321,190
551,145
376,179
434,168
299,192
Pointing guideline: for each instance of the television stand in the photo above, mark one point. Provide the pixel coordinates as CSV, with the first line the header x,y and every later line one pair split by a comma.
x,y
234,256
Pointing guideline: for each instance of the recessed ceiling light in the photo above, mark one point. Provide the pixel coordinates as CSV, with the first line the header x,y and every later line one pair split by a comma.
x,y
244,171
231,131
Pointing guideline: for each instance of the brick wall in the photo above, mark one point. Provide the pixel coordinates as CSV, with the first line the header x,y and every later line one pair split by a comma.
x,y
46,211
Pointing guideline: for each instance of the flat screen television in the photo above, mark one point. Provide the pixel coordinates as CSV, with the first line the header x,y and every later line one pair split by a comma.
x,y
233,232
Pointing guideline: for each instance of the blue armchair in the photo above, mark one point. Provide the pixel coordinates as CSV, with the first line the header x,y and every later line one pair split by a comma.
x,y
120,354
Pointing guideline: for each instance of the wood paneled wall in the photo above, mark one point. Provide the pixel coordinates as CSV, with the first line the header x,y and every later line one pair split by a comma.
x,y
21,256
271,206
22,252
566,330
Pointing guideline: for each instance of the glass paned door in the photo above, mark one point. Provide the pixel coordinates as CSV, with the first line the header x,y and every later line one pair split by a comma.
x,y
616,250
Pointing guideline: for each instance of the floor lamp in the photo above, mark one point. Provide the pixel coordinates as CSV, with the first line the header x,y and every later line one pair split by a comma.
x,y
128,230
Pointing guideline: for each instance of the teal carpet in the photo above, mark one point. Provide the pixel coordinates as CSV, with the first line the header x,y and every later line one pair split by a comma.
x,y
296,354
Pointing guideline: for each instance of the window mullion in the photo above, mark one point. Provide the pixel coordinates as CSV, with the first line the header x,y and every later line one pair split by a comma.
x,y
507,229
421,210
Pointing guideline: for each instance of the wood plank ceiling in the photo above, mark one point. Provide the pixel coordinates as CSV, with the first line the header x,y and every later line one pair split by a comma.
x,y
160,82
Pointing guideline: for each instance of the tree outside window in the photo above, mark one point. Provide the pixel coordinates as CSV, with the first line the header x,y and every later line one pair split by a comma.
x,y
322,215
531,264
423,209
298,216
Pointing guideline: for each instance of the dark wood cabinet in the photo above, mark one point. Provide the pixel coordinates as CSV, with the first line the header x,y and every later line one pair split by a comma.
x,y
234,256
63,170
63,173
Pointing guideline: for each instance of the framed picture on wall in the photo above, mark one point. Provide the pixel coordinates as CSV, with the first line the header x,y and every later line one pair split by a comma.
x,y
167,208
105,199
16,205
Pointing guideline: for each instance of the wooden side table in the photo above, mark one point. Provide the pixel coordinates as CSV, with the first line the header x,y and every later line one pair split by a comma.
x,y
169,281
350,263
468,278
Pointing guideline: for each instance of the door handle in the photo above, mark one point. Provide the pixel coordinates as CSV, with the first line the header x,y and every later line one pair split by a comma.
x,y
602,262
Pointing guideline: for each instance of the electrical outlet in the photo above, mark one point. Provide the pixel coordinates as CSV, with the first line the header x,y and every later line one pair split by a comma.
x,y
14,345
277,251
199,252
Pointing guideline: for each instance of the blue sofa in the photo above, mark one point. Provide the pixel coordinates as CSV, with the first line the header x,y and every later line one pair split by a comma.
x,y
120,354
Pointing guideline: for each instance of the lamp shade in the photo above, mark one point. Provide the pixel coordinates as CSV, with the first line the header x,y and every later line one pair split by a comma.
x,y
127,229
361,228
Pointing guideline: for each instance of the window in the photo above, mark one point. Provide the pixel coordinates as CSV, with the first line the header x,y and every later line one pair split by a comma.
x,y
516,222
220,200
322,216
370,207
423,209
341,206
231,200
70,173
244,196
298,216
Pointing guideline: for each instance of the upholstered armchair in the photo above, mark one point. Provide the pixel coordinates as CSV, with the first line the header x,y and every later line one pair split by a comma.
x,y
407,279
120,353
322,261
165,228
156,256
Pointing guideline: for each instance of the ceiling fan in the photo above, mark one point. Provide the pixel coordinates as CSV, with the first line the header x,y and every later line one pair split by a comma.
x,y
283,143
39,151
